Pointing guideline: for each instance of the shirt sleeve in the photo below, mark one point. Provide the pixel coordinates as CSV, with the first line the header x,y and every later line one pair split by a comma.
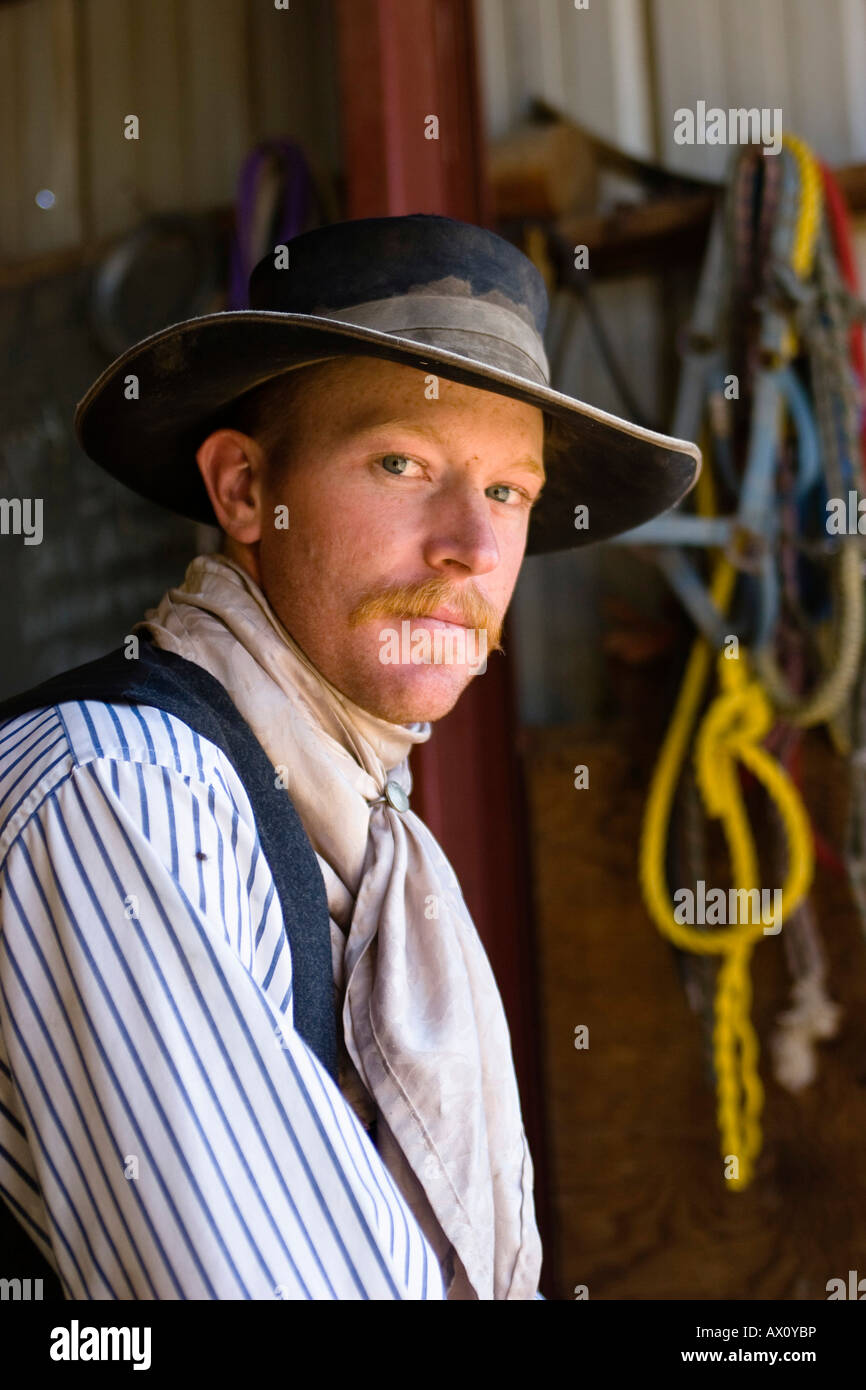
x,y
164,1130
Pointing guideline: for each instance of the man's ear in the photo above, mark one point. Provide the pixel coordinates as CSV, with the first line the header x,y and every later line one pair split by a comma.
x,y
231,465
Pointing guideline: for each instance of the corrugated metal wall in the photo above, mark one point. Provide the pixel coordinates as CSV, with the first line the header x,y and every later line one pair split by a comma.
x,y
592,64
622,67
806,59
206,79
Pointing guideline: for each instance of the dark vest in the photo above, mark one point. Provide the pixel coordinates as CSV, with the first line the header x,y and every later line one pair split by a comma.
x,y
182,688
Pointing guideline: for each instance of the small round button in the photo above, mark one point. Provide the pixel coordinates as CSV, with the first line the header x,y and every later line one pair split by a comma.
x,y
396,796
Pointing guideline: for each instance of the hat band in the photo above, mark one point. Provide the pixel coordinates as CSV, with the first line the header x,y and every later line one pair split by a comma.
x,y
474,328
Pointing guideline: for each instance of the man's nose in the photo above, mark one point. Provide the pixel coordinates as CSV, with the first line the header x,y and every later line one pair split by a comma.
x,y
460,530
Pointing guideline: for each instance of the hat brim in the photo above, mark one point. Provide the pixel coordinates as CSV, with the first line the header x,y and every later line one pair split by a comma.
x,y
623,474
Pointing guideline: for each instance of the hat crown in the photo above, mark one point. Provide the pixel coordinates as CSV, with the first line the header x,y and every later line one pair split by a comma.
x,y
377,258
422,277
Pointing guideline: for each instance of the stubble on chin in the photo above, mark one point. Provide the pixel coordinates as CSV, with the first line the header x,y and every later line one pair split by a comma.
x,y
413,700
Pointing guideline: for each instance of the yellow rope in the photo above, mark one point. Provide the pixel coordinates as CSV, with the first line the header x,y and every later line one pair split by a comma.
x,y
808,221
731,733
826,701
736,722
732,729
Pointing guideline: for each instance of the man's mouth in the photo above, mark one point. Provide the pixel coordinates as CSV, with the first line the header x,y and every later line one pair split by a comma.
x,y
442,615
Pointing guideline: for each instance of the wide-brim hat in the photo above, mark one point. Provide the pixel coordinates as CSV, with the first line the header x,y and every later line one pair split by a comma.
x,y
449,298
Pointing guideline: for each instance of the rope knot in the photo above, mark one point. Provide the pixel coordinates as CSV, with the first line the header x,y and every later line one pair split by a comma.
x,y
741,713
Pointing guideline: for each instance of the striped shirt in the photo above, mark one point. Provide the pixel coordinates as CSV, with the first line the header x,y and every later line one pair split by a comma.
x,y
164,1130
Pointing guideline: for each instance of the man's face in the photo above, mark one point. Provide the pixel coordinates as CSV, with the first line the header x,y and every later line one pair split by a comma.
x,y
398,506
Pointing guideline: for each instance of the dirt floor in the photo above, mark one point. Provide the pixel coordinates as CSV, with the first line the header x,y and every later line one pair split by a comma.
x,y
640,1206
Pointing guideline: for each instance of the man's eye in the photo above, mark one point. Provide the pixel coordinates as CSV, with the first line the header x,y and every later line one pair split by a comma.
x,y
397,465
519,494
388,459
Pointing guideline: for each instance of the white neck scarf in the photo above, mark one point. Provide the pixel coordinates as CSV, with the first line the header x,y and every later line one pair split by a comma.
x,y
422,1015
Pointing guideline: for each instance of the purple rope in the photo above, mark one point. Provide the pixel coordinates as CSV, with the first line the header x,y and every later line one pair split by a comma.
x,y
291,216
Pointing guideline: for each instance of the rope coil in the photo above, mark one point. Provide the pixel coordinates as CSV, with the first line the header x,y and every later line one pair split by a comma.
x,y
751,689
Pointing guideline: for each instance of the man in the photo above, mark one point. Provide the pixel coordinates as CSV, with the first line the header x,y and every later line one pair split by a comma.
x,y
243,1059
